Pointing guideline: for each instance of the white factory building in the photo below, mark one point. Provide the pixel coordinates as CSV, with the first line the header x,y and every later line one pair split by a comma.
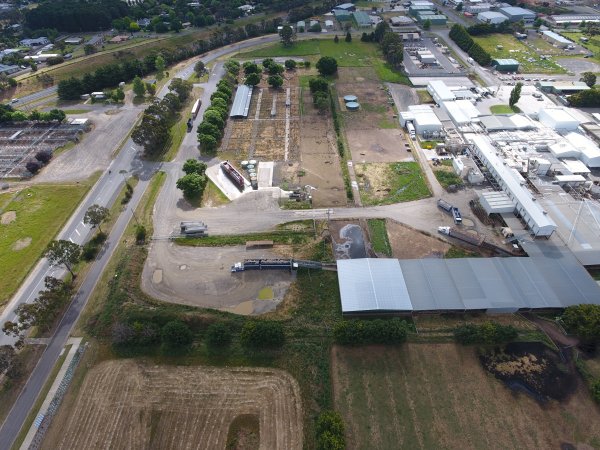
x,y
461,112
559,119
589,153
423,118
439,91
513,185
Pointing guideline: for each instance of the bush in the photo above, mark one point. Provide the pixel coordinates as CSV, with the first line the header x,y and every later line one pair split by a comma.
x,y
487,333
595,388
263,333
583,321
176,334
330,431
44,156
218,335
140,234
92,247
378,331
33,167
318,84
327,65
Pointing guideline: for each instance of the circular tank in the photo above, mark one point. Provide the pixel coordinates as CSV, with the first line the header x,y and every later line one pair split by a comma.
x,y
252,161
352,106
250,166
350,98
244,163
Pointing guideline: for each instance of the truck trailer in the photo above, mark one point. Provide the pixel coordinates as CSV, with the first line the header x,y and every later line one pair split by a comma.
x,y
234,176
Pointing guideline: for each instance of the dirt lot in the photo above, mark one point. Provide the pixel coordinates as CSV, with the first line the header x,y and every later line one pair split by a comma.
x,y
189,407
408,243
438,396
377,145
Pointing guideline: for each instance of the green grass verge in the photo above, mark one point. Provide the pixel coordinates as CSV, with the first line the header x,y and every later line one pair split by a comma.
x,y
457,252
529,60
33,412
76,111
447,178
278,237
41,211
404,181
379,236
424,96
504,109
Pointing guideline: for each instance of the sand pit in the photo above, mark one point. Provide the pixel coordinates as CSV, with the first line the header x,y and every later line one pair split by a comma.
x,y
21,244
8,217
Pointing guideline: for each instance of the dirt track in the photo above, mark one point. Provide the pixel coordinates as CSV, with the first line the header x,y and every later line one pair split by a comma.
x,y
130,405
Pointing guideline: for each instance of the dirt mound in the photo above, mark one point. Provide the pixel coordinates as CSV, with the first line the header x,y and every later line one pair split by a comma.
x,y
531,367
21,244
8,217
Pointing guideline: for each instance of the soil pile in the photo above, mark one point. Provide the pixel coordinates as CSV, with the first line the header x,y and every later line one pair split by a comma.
x,y
531,367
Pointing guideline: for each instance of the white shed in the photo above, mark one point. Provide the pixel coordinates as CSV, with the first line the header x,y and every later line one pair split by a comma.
x,y
589,151
559,119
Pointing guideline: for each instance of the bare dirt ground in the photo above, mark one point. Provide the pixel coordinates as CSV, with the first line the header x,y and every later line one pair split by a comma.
x,y
408,243
201,276
377,145
426,396
8,217
95,151
131,405
320,161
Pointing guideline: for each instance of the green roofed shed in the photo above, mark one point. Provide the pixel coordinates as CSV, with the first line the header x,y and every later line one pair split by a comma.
x,y
505,65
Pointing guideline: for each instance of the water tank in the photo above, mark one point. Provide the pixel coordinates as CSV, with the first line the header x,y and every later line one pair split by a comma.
x,y
350,98
352,106
244,164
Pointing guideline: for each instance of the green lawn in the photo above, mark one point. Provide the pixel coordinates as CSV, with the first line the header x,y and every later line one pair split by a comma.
x,y
447,178
504,109
353,54
379,237
41,211
530,61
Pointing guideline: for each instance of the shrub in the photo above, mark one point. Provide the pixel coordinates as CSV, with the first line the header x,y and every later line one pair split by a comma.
x,y
262,333
330,431
378,331
176,334
487,333
595,388
140,234
218,335
33,167
44,156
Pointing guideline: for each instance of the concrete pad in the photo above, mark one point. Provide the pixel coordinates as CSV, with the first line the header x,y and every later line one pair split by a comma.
x,y
216,175
265,174
450,81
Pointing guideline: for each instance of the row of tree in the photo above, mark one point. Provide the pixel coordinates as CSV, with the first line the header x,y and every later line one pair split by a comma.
x,y
377,331
460,35
154,130
212,127
389,42
586,99
8,114
319,88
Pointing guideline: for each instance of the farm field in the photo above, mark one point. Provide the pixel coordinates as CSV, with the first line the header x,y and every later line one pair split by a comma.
x,y
517,50
438,396
347,54
30,219
382,184
189,407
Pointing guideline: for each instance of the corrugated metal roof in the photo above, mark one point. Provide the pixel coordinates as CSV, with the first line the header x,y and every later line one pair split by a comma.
x,y
241,102
494,284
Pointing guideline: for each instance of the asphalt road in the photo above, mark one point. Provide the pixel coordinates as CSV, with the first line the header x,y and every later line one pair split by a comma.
x,y
103,193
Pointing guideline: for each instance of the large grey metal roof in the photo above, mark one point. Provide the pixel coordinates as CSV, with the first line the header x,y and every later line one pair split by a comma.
x,y
372,284
493,284
241,102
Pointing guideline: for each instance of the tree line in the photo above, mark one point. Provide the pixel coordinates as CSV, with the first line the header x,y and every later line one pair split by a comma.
x,y
8,114
389,42
112,74
154,130
460,35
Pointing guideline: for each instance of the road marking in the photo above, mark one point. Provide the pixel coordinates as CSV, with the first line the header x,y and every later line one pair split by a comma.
x,y
71,241
76,231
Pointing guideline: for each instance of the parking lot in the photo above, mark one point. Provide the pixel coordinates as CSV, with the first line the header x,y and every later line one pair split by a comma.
x,y
414,67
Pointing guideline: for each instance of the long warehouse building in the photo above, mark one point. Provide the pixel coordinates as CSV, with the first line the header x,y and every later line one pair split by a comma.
x,y
510,181
241,102
486,285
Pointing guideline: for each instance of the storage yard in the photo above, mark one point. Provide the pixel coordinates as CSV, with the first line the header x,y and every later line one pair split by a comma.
x,y
189,407
20,142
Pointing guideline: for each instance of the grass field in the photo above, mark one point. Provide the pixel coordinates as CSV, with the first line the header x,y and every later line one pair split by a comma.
x,y
504,109
530,61
434,396
353,54
39,213
447,178
382,184
379,236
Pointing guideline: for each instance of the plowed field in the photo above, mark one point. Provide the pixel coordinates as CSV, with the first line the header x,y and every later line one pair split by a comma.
x,y
130,405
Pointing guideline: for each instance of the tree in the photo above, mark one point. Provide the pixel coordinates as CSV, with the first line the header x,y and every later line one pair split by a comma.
x,y
589,78
336,39
262,333
275,81
117,95
427,24
65,253
214,117
152,133
538,22
318,84
95,216
459,7
138,87
316,28
321,101
176,334
159,64
348,37
134,27
43,156
89,49
192,185
583,321
7,356
327,65
199,68
515,95
210,129
252,80
330,431
290,64
207,142
194,166
218,335
276,69
33,167
250,67
287,36
176,25
150,89
380,29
